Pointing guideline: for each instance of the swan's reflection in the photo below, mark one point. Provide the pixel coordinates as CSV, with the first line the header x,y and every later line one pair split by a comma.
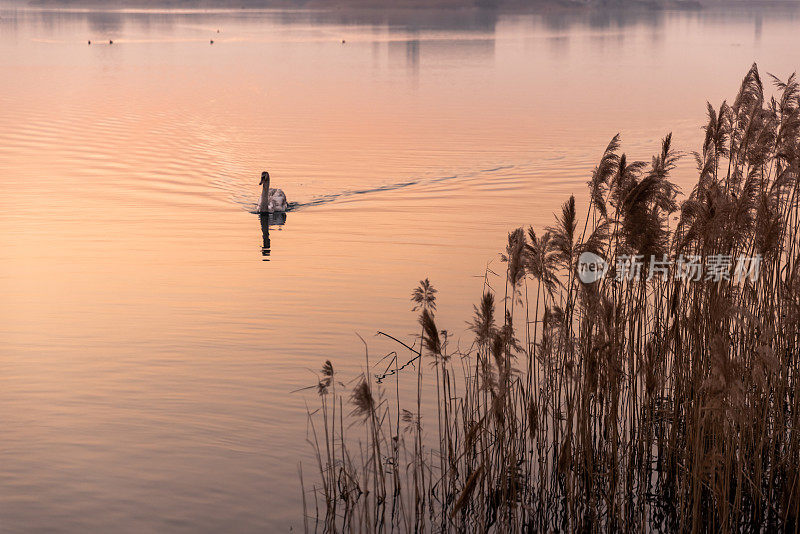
x,y
267,220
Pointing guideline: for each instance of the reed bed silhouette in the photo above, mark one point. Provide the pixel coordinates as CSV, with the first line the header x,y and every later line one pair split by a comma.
x,y
652,401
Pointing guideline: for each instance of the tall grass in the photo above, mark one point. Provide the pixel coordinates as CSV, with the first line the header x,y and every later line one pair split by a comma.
x,y
637,402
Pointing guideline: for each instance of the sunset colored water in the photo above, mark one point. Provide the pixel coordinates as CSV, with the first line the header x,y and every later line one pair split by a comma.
x,y
153,329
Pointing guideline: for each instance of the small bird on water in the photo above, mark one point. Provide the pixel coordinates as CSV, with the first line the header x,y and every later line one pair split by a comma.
x,y
90,42
110,41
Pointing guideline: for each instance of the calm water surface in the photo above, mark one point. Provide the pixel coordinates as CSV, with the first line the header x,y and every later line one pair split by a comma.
x,y
148,341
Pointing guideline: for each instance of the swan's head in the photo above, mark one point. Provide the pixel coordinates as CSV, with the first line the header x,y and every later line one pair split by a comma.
x,y
264,178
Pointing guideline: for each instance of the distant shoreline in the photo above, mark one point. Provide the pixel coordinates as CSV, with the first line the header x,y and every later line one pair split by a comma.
x,y
416,5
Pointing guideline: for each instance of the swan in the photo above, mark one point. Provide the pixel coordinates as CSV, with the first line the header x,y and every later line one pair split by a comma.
x,y
272,200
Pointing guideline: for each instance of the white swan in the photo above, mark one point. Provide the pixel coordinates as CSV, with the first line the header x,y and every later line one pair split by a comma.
x,y
272,200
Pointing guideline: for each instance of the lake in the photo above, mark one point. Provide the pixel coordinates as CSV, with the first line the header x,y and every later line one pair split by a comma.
x,y
153,331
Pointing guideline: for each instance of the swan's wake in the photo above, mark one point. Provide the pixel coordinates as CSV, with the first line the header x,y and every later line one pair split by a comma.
x,y
335,197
